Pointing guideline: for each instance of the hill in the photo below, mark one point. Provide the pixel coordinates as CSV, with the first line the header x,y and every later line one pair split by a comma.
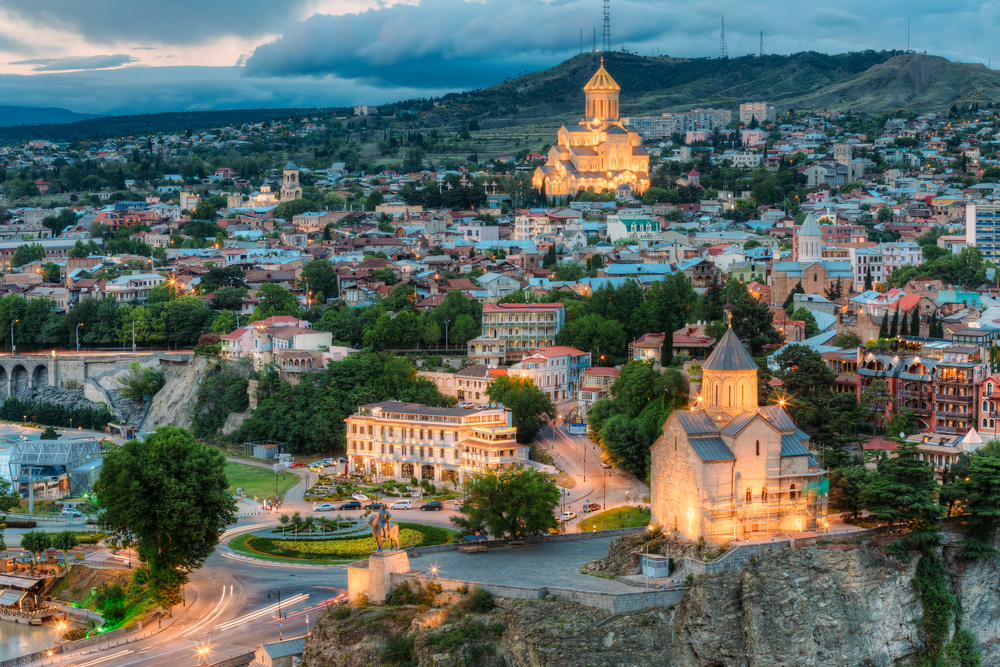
x,y
10,115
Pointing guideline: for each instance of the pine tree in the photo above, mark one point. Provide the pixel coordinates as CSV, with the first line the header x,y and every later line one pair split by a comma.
x,y
894,327
932,326
868,278
904,325
915,323
903,492
667,354
883,329
790,300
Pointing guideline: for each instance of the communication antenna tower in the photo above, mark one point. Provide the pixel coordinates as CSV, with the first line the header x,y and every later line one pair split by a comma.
x,y
761,54
595,40
607,26
581,39
723,51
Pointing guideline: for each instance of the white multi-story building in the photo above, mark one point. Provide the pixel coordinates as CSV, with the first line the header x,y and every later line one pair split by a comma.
x,y
595,385
556,370
762,111
510,330
982,229
746,160
134,287
662,126
864,260
400,441
895,255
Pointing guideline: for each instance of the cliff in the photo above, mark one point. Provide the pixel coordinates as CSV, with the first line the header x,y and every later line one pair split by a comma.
x,y
171,405
840,604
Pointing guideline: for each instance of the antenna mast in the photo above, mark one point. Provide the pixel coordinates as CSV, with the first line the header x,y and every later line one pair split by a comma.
x,y
595,41
581,39
723,51
761,54
607,26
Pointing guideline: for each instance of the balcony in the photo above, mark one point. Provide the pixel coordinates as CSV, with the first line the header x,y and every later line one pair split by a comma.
x,y
955,415
955,379
948,398
907,393
951,430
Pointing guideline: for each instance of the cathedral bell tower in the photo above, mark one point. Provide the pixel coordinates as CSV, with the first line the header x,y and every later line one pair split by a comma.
x,y
602,97
728,380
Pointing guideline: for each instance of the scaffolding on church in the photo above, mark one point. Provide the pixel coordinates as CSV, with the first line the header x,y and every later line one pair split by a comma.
x,y
789,503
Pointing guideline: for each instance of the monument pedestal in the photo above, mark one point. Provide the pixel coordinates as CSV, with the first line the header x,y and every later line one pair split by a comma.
x,y
381,564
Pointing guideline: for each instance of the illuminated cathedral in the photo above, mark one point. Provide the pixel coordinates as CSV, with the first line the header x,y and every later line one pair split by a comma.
x,y
599,154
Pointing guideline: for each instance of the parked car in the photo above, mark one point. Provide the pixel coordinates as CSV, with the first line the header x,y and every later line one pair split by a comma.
x,y
324,507
341,460
326,462
350,505
432,505
297,464
316,468
360,496
400,505
374,505
71,513
567,516
605,464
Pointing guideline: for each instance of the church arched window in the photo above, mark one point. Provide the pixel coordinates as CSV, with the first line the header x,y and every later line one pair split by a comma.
x,y
716,395
791,492
758,448
675,443
763,493
749,494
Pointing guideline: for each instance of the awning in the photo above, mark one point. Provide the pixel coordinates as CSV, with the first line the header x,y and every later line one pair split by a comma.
x,y
11,598
24,583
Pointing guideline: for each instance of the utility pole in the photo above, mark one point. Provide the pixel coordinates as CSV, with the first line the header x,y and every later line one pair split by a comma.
x,y
581,40
445,334
723,51
133,336
761,53
607,26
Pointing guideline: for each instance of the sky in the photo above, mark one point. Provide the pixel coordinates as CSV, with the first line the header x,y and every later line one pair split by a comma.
x,y
145,56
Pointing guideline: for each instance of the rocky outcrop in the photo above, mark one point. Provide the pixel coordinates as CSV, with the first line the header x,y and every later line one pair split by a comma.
x,y
171,405
842,604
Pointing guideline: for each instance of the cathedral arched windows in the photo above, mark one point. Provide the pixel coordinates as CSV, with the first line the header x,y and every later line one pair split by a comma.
x,y
749,494
758,448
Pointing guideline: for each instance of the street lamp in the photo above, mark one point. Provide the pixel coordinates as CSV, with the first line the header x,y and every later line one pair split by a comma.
x,y
445,334
12,346
78,337
277,593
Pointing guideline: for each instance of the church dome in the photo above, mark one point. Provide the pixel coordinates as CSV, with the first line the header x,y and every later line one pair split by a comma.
x,y
601,82
729,355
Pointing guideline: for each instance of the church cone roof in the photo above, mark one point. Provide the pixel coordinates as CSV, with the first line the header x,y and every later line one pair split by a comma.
x,y
290,165
809,227
729,355
601,82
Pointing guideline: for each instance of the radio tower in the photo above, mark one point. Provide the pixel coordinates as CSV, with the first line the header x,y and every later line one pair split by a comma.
x,y
607,26
761,54
723,51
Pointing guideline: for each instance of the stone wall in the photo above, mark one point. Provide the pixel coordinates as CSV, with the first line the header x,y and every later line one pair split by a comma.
x,y
732,560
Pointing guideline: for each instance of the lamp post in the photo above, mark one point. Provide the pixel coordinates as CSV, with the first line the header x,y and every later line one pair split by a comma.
x,y
12,346
445,334
133,336
277,593
80,324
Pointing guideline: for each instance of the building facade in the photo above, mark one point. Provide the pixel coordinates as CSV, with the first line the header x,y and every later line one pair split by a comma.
x,y
730,469
399,441
556,370
510,330
599,153
982,229
762,111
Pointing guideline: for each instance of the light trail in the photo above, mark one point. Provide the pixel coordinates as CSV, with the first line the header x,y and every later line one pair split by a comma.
x,y
120,654
295,599
212,615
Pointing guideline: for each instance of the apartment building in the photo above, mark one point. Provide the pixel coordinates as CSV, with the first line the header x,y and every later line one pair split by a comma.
x,y
395,440
556,370
762,111
594,385
982,229
662,126
510,330
134,287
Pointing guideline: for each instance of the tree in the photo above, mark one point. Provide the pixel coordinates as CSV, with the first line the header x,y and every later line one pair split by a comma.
x,y
35,542
567,271
513,503
790,299
904,324
321,279
626,443
915,323
50,272
636,387
883,328
752,320
595,334
27,253
531,406
139,382
65,542
57,223
894,327
600,412
293,207
874,398
81,249
274,300
840,425
885,214
835,291
805,315
550,257
904,491
847,486
982,505
846,339
868,278
167,497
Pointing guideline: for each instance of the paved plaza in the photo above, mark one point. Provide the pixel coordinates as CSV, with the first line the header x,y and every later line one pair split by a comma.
x,y
549,564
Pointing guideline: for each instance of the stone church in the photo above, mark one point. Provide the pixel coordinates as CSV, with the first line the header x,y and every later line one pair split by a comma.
x,y
730,468
600,153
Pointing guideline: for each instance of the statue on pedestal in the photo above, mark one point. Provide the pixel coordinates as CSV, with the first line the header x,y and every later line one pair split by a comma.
x,y
383,530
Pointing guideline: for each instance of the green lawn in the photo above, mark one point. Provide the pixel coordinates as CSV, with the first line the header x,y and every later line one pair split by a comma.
x,y
238,544
258,481
622,517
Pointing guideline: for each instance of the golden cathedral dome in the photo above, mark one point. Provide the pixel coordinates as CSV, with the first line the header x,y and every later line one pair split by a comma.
x,y
601,82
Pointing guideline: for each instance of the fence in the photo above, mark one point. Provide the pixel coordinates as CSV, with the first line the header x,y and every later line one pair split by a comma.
x,y
30,658
235,661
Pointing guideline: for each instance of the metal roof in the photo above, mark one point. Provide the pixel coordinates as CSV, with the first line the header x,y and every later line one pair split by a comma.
x,y
712,449
10,598
778,417
739,423
729,355
792,446
286,648
696,422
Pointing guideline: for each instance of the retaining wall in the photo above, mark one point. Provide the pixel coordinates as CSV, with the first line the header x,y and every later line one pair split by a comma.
x,y
235,661
732,560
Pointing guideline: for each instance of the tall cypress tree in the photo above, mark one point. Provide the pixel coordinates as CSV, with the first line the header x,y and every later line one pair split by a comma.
x,y
932,325
667,354
883,329
915,323
868,278
894,328
904,325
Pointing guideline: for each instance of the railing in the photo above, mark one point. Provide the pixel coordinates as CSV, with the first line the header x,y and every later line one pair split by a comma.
x,y
950,398
954,380
961,415
909,393
951,430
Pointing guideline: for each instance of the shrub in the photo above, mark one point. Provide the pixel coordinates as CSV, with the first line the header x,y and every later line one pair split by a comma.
x,y
344,548
399,651
405,594
479,601
75,634
21,524
341,613
139,382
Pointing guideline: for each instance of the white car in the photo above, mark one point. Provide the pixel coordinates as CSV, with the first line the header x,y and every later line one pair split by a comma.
x,y
360,496
324,507
400,505
605,464
567,516
71,513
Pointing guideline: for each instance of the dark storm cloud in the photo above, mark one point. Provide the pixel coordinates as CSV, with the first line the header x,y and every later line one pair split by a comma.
x,y
76,62
158,21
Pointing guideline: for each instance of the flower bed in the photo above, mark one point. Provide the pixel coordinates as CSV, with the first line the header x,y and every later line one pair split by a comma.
x,y
410,535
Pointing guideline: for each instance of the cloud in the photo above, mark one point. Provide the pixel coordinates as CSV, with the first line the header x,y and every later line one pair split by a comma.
x,y
76,62
159,21
132,90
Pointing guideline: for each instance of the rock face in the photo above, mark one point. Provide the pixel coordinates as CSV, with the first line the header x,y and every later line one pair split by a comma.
x,y
171,404
817,606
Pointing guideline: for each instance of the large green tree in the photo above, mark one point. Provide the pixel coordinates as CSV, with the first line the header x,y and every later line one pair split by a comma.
x,y
604,338
626,443
168,498
752,320
531,406
275,300
638,385
513,503
847,485
982,504
904,491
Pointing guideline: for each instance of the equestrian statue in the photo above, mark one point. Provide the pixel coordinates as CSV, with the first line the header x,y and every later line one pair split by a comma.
x,y
382,530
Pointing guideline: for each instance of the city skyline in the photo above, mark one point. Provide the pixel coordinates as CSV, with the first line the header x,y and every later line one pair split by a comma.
x,y
103,58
